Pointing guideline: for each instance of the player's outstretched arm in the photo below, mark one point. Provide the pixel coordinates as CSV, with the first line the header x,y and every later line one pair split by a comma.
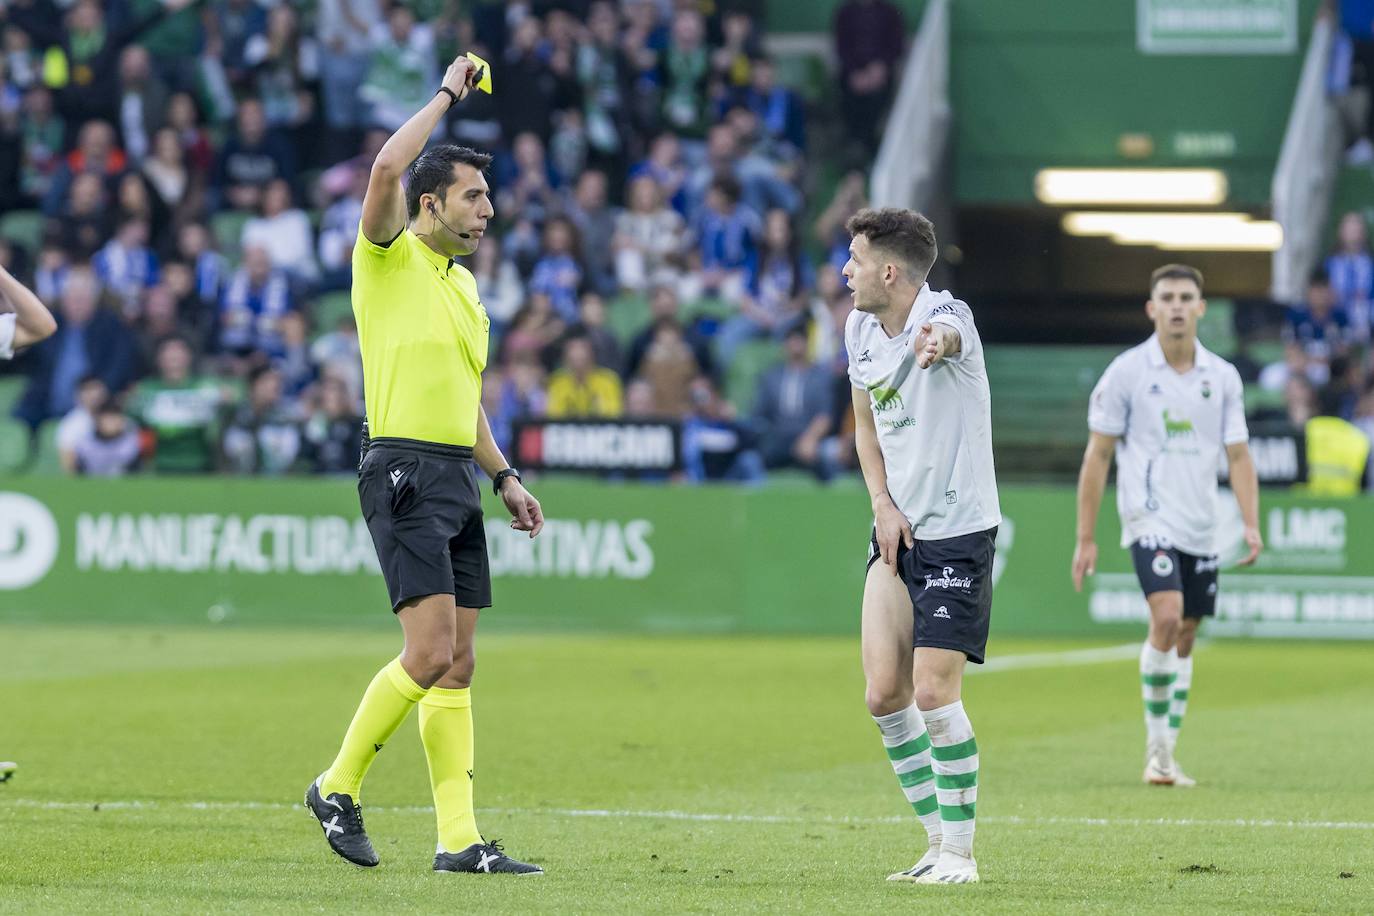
x,y
32,320
526,513
384,210
934,343
1092,482
891,527
1245,484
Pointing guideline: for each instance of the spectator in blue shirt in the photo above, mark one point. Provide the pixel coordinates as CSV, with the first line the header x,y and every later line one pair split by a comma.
x,y
726,233
557,274
1351,269
779,109
252,306
126,265
1319,325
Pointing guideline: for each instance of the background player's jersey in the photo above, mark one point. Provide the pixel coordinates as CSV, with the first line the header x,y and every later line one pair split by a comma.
x,y
934,425
8,323
1172,431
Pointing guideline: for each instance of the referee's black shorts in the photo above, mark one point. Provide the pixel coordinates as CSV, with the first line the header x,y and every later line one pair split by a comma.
x,y
423,507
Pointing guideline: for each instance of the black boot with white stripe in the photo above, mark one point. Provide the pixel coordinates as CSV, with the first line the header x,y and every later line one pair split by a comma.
x,y
342,821
483,859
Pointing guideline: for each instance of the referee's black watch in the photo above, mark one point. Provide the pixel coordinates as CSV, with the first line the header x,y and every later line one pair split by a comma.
x,y
500,478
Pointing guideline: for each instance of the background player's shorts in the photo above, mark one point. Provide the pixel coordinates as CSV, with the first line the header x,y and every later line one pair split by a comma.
x,y
1162,568
950,582
423,507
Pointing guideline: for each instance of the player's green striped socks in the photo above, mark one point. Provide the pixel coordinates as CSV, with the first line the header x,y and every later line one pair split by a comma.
x,y
1157,687
1178,705
908,747
954,753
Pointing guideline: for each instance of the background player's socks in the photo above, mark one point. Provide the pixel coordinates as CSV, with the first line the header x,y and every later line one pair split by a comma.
x,y
1178,704
1156,686
908,747
954,753
386,703
446,730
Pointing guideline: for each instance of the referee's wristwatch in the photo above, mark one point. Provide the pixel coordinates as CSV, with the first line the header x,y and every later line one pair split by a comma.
x,y
500,478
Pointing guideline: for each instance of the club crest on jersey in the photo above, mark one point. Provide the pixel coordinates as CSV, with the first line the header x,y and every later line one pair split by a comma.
x,y
1206,388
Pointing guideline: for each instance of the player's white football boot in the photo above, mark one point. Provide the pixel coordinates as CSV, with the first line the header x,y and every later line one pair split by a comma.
x,y
1159,764
951,868
7,769
923,865
1182,779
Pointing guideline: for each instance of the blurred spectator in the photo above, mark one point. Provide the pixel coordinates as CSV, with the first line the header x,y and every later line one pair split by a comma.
x,y
336,355
870,37
80,420
664,308
85,223
211,269
732,63
252,305
339,230
1296,363
526,182
591,323
639,401
403,71
649,240
667,169
95,154
229,28
604,77
167,173
596,223
666,367
714,445
512,393
180,410
1300,400
283,230
286,66
42,135
262,435
1318,324
780,110
581,388
251,158
684,68
1351,269
135,200
161,318
184,117
532,332
109,447
727,234
767,171
525,75
89,341
557,274
344,29
50,273
126,265
793,411
779,276
142,102
499,282
333,434
1357,21
296,365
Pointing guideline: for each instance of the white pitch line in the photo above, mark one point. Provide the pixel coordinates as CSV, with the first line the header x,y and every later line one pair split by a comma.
x,y
613,814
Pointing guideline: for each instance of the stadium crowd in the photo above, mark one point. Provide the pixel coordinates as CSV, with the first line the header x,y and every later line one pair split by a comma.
x,y
198,166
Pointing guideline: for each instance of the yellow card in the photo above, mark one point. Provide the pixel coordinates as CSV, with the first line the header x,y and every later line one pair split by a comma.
x,y
484,72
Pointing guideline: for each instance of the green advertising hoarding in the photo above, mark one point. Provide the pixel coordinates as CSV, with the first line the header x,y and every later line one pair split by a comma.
x,y
620,557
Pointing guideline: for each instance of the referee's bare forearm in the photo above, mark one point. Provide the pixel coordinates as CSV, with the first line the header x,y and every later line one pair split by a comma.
x,y
406,145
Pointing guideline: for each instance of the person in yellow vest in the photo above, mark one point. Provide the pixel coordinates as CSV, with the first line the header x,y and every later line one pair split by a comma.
x,y
1337,454
423,334
582,388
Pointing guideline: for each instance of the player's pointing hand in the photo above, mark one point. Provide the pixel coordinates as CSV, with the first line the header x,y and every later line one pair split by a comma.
x,y
931,344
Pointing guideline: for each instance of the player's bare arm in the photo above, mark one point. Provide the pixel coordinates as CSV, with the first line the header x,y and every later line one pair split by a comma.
x,y
384,209
1092,481
934,343
32,320
891,526
1245,484
526,513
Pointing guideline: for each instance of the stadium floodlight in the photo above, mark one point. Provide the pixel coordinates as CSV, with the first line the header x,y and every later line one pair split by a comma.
x,y
1131,187
1179,231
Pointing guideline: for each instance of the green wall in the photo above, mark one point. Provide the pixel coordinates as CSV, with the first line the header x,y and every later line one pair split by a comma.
x,y
641,558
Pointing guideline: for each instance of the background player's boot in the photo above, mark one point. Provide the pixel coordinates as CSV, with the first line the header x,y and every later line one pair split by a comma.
x,y
923,865
7,768
483,859
342,821
951,868
1159,764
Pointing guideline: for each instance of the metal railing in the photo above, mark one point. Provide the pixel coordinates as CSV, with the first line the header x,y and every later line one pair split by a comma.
x,y
1306,171
913,146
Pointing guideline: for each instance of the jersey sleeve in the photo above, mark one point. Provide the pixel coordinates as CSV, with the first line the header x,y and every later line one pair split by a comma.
x,y
958,316
371,259
1110,405
851,345
8,322
1233,426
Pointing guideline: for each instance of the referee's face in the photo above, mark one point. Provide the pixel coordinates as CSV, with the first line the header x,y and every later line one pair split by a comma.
x,y
465,210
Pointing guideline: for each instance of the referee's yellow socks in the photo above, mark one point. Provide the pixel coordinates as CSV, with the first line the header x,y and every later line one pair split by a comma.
x,y
387,702
446,730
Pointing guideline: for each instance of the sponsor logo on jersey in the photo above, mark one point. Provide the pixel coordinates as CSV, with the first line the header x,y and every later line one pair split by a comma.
x,y
1175,428
885,399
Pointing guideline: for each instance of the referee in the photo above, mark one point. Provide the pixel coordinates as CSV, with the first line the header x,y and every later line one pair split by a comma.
x,y
423,333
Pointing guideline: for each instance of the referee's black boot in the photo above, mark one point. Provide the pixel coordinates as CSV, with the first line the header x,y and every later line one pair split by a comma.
x,y
342,821
483,859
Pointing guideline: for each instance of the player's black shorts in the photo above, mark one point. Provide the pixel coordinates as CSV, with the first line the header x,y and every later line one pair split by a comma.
x,y
1162,568
950,582
422,504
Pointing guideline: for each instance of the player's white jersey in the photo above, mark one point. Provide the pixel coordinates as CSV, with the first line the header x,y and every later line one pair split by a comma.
x,y
934,425
8,322
1172,432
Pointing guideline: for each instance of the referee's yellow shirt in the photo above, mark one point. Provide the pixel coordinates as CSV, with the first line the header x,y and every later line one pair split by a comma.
x,y
423,334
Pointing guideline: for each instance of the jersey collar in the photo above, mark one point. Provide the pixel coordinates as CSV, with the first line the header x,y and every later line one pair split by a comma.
x,y
1154,350
430,255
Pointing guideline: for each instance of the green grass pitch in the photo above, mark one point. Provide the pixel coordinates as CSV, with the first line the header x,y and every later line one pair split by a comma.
x,y
161,770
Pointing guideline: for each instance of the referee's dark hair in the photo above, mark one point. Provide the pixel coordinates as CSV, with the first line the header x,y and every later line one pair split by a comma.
x,y
904,234
432,173
1176,272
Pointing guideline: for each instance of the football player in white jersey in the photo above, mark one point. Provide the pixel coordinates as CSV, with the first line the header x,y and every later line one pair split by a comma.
x,y
924,439
1168,408
24,320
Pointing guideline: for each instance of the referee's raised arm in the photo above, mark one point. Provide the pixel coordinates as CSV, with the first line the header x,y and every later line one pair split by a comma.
x,y
384,206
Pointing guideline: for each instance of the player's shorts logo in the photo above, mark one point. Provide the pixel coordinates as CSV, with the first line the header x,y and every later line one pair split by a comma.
x,y
1162,564
942,612
28,540
948,580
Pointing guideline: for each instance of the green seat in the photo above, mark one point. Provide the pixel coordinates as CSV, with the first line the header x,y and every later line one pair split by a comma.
x,y
227,228
11,387
14,444
1217,329
23,227
709,308
626,316
742,376
329,308
46,460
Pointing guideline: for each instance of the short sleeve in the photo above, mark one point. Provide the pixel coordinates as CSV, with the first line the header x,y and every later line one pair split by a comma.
x,y
371,259
851,343
1233,426
8,322
1110,405
958,316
